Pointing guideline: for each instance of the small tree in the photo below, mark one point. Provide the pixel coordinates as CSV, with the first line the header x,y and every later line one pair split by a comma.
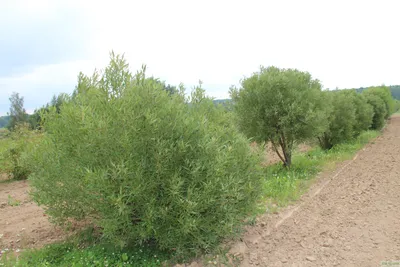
x,y
342,119
364,112
283,106
383,92
17,111
379,108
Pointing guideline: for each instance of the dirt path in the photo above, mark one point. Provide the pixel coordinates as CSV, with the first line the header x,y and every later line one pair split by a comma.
x,y
22,223
350,217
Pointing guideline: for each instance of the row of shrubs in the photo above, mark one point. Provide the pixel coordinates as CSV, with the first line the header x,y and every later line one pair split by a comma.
x,y
351,113
149,166
287,106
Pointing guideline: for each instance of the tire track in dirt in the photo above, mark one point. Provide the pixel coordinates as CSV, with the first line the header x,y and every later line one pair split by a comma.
x,y
350,217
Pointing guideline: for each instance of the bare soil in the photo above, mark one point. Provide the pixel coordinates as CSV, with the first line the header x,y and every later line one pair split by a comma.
x,y
349,217
22,223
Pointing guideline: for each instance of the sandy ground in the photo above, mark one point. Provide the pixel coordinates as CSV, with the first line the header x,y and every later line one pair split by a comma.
x,y
22,223
350,216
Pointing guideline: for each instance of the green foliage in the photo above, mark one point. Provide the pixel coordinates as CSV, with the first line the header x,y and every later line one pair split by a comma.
x,y
363,110
283,106
364,114
16,158
58,101
143,165
17,111
4,133
4,121
353,113
170,89
379,108
342,119
71,254
12,202
281,187
35,120
384,93
222,101
394,89
396,105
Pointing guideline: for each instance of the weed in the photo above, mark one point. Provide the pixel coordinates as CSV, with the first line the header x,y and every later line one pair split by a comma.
x,y
13,202
69,253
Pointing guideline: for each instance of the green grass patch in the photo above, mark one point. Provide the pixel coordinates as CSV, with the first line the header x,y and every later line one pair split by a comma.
x,y
94,253
67,254
282,186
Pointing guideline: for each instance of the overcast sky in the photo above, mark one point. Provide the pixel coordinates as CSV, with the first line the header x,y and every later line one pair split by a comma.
x,y
45,43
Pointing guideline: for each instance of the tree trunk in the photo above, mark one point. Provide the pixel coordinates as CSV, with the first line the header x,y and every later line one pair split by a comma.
x,y
288,159
277,152
287,151
325,142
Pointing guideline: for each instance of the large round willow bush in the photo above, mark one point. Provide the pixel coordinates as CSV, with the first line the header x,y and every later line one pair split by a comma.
x,y
144,164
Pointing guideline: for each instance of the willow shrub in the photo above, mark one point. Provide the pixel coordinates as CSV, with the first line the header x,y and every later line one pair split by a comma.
x,y
384,93
17,157
342,119
281,106
144,165
383,103
379,108
364,111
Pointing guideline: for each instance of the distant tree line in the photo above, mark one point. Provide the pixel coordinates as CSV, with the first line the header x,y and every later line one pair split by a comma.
x,y
4,121
394,89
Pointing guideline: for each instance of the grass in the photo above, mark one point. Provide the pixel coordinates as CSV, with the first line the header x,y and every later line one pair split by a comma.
x,y
68,254
83,250
281,187
13,202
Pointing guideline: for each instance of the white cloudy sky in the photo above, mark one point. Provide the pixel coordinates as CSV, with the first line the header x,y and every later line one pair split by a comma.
x,y
45,43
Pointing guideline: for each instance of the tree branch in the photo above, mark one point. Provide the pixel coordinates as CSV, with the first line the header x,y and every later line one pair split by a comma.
x,y
277,152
